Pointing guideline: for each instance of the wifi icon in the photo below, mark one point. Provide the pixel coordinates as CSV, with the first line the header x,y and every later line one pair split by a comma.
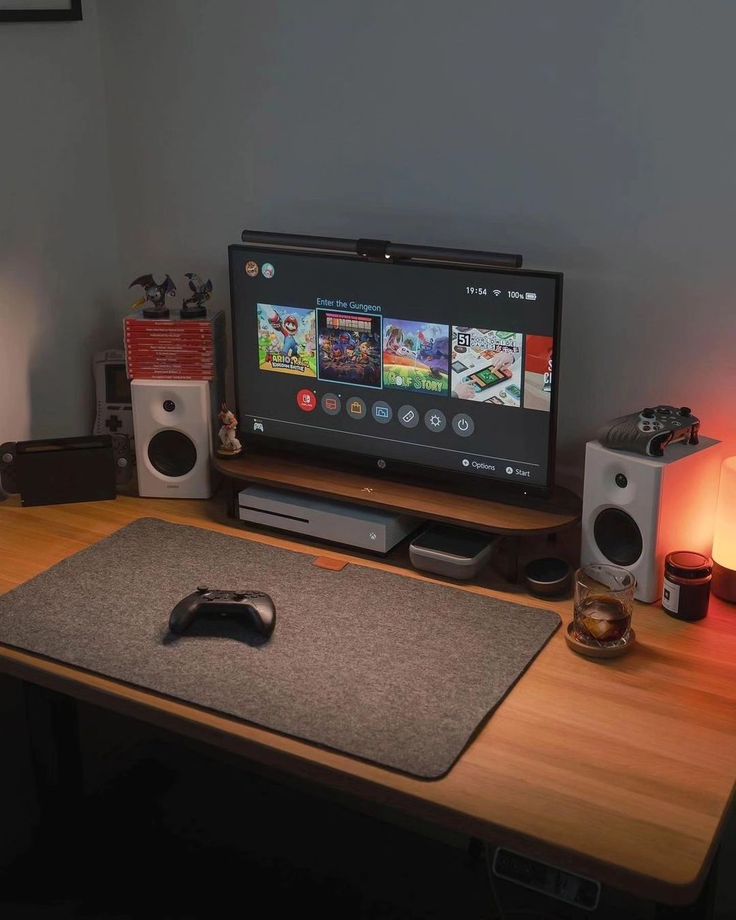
x,y
496,293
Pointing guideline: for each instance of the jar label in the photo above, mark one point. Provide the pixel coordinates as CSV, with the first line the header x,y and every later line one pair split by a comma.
x,y
671,596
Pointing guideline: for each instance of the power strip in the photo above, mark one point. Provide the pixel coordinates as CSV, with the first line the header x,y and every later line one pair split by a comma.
x,y
547,880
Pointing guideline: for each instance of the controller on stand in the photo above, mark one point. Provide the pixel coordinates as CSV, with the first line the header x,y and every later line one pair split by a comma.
x,y
254,607
123,455
648,432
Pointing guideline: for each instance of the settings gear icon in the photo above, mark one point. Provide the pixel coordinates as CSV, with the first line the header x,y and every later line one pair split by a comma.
x,y
435,420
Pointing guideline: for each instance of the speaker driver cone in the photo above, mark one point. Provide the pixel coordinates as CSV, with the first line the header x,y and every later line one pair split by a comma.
x,y
172,453
618,537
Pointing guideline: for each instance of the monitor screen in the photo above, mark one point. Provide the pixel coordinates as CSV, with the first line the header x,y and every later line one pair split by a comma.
x,y
405,366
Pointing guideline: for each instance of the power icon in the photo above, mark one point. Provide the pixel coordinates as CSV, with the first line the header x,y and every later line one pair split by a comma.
x,y
463,425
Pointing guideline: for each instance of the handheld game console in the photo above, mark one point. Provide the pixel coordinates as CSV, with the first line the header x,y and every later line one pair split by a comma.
x,y
256,608
648,432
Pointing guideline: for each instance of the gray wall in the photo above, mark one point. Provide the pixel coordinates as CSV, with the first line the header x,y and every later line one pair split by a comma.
x,y
58,247
597,138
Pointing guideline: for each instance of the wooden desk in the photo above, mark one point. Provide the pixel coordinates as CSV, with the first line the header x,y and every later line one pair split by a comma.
x,y
622,770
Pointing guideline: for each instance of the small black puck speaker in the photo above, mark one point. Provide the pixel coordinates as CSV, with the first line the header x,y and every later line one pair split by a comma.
x,y
548,577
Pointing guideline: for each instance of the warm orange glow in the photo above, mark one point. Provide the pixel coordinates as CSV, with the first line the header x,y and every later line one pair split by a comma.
x,y
724,540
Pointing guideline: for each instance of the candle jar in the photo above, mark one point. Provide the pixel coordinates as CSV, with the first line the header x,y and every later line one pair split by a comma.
x,y
686,591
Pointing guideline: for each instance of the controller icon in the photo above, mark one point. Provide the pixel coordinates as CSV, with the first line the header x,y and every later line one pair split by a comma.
x,y
648,432
256,609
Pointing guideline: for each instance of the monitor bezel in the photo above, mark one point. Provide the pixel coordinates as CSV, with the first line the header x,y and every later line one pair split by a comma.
x,y
401,470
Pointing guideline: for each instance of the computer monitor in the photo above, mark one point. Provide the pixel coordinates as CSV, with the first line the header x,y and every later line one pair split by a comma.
x,y
420,367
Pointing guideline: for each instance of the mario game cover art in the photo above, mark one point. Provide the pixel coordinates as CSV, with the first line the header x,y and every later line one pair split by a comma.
x,y
416,356
349,348
286,340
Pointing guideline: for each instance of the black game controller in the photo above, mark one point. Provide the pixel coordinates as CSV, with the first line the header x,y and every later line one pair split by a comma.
x,y
648,432
255,607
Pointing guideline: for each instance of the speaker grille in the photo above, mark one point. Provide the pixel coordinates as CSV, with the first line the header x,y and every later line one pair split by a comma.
x,y
172,453
618,537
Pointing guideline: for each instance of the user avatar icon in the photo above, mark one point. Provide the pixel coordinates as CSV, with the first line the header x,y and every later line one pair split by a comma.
x,y
267,270
251,268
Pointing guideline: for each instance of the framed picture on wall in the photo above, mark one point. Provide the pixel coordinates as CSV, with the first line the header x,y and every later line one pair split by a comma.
x,y
40,10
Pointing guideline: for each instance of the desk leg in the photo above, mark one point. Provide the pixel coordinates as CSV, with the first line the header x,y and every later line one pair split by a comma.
x,y
512,548
56,759
703,908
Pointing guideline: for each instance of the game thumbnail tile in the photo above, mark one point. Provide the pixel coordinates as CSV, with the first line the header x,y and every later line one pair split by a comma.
x,y
486,365
538,372
349,348
286,340
416,356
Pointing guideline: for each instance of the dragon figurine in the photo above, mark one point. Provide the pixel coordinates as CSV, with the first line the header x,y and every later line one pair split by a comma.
x,y
155,295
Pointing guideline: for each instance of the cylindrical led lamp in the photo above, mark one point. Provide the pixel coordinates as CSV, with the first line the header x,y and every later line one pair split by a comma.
x,y
724,538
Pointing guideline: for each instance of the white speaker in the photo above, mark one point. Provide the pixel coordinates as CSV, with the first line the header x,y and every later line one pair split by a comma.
x,y
172,420
637,509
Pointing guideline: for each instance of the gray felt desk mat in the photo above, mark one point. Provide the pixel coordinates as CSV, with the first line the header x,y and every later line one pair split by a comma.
x,y
376,665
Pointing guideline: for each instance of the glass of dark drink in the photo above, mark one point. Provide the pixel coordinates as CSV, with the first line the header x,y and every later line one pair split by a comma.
x,y
604,599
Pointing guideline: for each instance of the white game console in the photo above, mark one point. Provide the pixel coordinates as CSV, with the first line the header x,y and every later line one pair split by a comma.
x,y
325,519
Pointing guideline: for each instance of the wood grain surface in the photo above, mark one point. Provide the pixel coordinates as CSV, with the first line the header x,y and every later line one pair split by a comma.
x,y
560,511
623,770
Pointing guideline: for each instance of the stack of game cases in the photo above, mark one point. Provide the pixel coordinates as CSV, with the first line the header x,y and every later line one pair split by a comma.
x,y
173,349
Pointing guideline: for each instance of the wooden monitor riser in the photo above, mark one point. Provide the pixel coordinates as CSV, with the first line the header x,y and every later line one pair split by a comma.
x,y
559,512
